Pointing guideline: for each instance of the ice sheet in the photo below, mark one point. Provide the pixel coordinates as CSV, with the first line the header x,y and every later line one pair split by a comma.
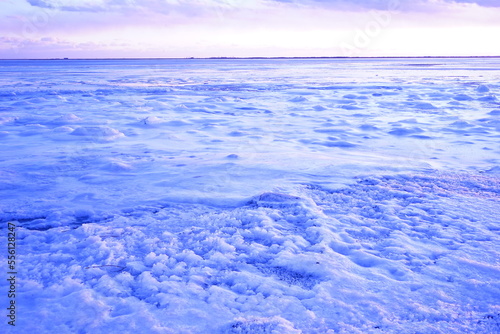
x,y
294,196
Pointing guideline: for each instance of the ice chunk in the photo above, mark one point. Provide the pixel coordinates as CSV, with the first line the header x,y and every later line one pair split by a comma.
x,y
260,325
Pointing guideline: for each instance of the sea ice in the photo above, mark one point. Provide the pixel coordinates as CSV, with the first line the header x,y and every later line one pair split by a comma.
x,y
252,196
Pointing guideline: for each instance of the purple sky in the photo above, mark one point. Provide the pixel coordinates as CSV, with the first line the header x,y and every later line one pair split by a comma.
x,y
211,28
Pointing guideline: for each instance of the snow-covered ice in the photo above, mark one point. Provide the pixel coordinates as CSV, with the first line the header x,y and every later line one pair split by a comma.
x,y
252,196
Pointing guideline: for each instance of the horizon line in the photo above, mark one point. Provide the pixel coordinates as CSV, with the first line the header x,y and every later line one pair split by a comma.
x,y
255,57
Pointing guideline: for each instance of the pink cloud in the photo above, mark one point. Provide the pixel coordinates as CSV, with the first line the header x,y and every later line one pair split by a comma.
x,y
164,28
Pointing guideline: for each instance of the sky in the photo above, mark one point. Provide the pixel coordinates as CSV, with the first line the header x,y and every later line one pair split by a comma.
x,y
247,28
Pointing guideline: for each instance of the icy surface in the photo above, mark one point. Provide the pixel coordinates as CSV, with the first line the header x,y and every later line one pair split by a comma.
x,y
253,196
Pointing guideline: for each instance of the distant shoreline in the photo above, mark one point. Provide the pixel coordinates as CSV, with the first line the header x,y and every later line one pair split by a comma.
x,y
262,58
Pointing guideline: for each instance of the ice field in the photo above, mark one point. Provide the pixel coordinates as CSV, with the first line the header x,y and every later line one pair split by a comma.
x,y
252,196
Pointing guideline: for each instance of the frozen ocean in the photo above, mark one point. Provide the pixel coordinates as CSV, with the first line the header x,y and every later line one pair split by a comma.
x,y
250,196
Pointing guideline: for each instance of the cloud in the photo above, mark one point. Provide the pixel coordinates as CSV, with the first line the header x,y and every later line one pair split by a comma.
x,y
345,4
387,4
200,8
51,47
483,3
157,28
153,6
40,3
82,5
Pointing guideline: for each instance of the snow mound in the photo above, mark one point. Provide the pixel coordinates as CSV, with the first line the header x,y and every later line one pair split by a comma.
x,y
67,119
319,108
298,99
425,106
63,129
152,121
405,131
274,266
276,200
338,143
97,132
493,170
482,89
116,165
177,123
462,97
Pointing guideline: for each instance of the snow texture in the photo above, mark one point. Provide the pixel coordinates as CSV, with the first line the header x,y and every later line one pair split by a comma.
x,y
252,196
